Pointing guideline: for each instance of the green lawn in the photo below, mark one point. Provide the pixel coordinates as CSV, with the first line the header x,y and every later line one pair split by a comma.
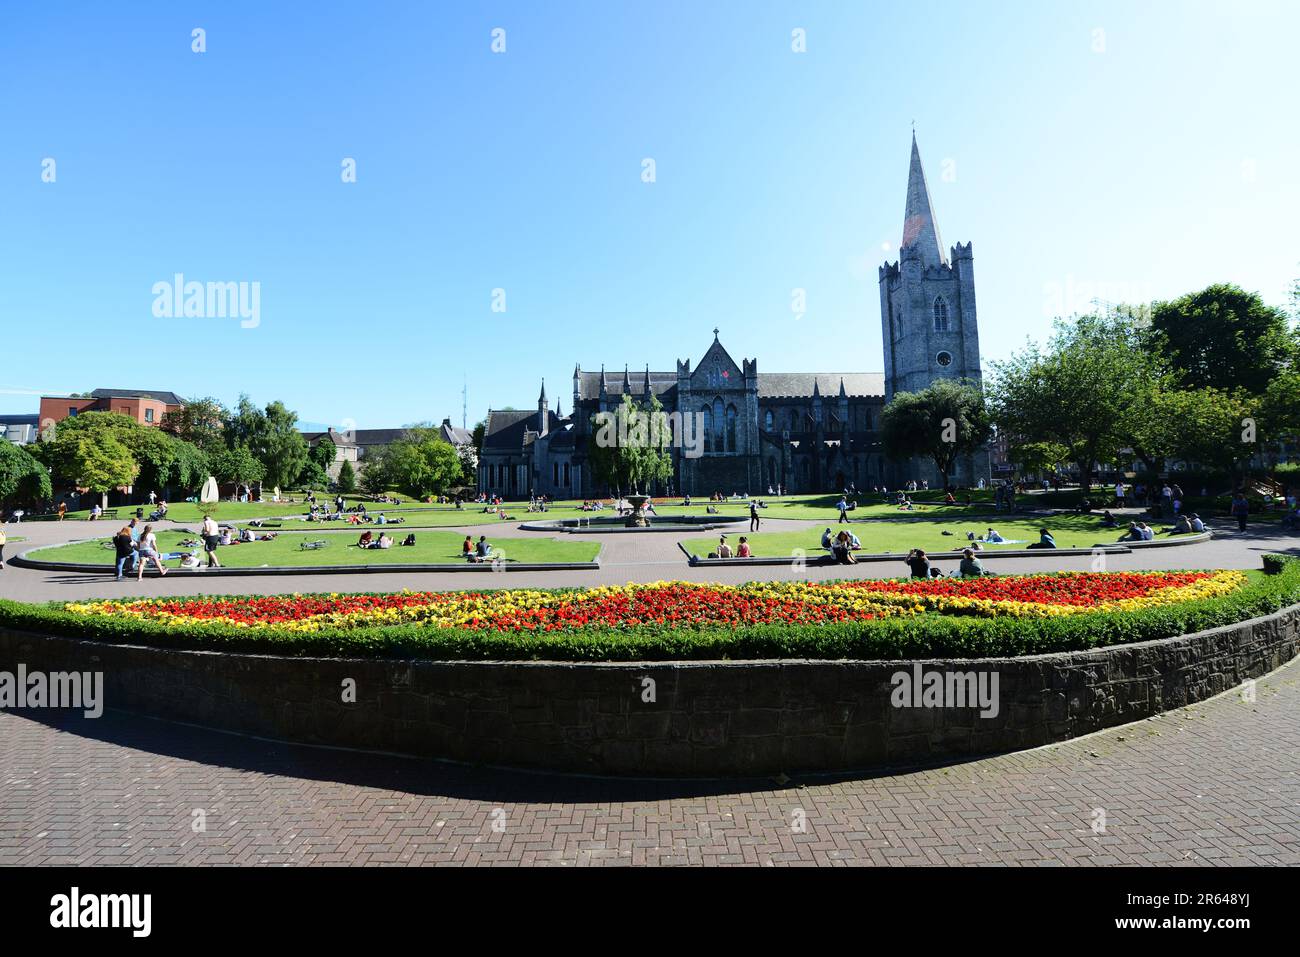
x,y
1070,531
429,548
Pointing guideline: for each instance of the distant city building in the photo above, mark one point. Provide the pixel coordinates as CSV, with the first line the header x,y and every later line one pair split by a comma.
x,y
20,429
144,405
354,445
803,431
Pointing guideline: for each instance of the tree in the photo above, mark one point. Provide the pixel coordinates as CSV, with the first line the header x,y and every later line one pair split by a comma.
x,y
190,467
271,435
1038,456
374,474
1279,409
1075,392
347,478
237,465
421,463
312,476
23,480
468,464
199,422
99,462
323,452
1223,338
631,446
943,422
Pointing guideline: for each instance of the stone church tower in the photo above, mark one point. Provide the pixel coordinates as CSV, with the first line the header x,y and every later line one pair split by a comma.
x,y
927,316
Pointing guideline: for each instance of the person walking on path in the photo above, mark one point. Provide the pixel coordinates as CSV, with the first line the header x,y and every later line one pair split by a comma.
x,y
1240,509
123,550
148,552
844,510
754,520
2,549
211,535
62,510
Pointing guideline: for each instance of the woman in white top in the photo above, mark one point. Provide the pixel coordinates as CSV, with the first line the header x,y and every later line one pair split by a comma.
x,y
149,552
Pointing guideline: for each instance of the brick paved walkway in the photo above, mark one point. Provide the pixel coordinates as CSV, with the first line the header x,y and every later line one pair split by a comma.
x,y
1217,783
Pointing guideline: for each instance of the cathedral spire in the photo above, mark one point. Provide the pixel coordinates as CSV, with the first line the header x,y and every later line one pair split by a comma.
x,y
542,397
920,231
647,380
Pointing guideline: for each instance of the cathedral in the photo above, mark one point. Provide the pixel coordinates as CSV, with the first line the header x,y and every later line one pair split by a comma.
x,y
805,432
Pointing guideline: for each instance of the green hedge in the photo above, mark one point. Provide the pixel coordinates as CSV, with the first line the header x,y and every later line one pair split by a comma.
x,y
920,637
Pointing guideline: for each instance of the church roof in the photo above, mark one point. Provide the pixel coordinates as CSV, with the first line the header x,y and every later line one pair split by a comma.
x,y
589,384
920,231
505,428
802,384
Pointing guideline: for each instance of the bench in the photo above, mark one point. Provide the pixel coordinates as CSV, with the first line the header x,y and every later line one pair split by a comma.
x,y
109,513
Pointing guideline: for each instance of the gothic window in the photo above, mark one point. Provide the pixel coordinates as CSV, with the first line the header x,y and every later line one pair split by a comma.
x,y
731,428
940,315
555,473
707,422
719,425
768,420
567,482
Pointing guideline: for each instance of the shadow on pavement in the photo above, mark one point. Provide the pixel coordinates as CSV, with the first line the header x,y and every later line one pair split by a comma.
x,y
425,777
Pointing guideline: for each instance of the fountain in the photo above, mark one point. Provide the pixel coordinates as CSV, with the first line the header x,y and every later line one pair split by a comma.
x,y
637,518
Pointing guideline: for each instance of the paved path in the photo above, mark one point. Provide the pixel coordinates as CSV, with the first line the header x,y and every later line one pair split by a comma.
x,y
1217,783
643,557
1214,784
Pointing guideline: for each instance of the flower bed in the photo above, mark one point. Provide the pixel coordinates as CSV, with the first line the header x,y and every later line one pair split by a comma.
x,y
681,605
864,619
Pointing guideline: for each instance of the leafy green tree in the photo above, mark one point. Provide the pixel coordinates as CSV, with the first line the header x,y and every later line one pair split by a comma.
x,y
24,481
347,481
1038,456
237,465
630,446
943,422
1223,338
99,462
323,452
271,435
190,466
374,473
1073,393
200,422
421,463
312,476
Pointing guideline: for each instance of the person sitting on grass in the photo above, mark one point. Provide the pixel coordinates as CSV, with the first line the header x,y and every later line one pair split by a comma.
x,y
226,537
993,537
743,551
467,546
1148,533
970,566
482,551
948,499
827,539
1134,534
1045,540
381,520
724,550
855,543
920,565
366,538
384,541
1197,524
1182,526
1108,520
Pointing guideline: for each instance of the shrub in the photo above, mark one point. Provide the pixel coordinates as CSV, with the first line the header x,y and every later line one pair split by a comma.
x,y
917,637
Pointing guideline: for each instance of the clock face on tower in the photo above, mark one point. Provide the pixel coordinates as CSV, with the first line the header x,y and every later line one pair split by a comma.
x,y
944,359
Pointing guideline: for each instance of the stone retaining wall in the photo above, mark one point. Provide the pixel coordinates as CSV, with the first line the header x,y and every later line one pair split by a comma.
x,y
714,718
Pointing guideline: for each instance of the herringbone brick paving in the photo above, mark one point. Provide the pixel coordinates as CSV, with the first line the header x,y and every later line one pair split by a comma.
x,y
1214,784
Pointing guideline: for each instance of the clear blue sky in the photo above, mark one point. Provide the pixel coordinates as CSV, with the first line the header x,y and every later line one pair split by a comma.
x,y
1165,162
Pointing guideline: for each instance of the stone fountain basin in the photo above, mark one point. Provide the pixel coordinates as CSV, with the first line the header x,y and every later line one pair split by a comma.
x,y
614,524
